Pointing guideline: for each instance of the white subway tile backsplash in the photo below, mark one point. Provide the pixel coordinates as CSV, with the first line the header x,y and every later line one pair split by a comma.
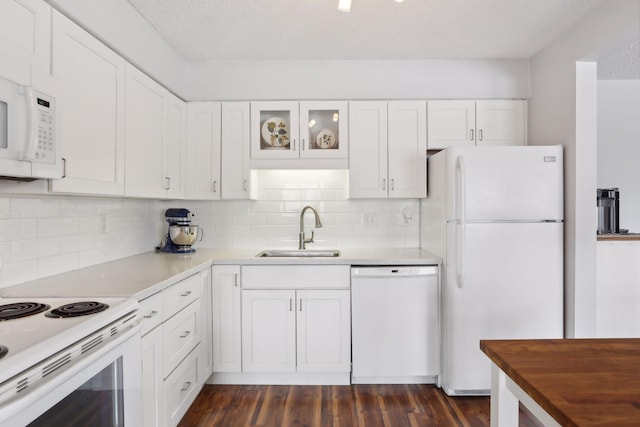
x,y
18,229
24,250
48,227
46,235
31,207
5,208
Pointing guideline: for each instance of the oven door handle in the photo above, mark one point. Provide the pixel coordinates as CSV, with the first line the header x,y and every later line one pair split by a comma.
x,y
33,401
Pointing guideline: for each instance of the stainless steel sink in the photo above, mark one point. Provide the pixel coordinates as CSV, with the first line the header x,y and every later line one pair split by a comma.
x,y
306,253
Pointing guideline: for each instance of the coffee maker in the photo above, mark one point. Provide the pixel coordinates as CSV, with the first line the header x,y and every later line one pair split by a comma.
x,y
181,234
608,202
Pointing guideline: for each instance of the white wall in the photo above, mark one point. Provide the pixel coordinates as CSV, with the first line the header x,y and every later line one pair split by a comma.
x,y
553,120
374,79
619,145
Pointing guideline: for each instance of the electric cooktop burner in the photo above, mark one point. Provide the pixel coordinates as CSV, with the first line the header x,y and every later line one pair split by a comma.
x,y
3,350
21,309
76,309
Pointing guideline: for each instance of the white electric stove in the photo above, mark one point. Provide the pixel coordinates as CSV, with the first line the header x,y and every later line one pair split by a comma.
x,y
49,344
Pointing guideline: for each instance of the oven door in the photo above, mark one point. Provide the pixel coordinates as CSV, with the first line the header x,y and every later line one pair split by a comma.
x,y
102,389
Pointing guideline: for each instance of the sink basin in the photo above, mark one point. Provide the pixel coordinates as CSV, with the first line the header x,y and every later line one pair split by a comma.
x,y
296,253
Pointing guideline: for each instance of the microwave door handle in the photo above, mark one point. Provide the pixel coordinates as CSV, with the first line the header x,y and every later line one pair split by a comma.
x,y
32,136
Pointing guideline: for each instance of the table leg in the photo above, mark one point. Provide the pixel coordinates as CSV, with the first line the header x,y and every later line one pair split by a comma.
x,y
504,404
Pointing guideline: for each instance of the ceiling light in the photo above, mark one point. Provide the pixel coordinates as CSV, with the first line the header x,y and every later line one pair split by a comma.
x,y
344,5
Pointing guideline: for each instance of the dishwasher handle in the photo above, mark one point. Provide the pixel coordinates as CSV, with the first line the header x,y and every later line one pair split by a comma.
x,y
394,271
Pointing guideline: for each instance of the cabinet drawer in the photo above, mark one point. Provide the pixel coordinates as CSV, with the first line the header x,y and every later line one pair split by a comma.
x,y
180,336
180,295
181,388
151,312
295,276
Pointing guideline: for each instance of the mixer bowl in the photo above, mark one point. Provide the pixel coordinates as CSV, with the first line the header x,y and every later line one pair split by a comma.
x,y
183,235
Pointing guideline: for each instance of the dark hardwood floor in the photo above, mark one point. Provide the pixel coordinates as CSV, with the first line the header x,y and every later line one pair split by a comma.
x,y
356,405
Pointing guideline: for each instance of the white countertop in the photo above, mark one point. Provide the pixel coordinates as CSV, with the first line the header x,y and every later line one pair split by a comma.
x,y
143,275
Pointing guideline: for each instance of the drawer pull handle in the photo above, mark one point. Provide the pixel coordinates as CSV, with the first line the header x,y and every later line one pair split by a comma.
x,y
186,334
150,315
186,386
186,294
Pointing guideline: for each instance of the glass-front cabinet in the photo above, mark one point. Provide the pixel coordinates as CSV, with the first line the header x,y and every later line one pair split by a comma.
x,y
307,129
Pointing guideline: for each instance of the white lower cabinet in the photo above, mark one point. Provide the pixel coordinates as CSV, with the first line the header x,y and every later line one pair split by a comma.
x,y
181,388
175,348
226,334
296,321
296,331
152,390
269,331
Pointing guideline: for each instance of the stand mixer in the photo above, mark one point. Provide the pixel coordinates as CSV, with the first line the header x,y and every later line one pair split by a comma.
x,y
181,235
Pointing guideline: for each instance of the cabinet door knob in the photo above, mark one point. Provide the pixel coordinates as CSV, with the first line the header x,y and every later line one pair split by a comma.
x,y
167,183
64,167
471,136
300,304
215,186
235,279
185,334
290,304
480,137
186,386
244,185
186,294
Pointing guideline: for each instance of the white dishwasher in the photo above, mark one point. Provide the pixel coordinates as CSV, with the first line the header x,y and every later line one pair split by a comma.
x,y
395,325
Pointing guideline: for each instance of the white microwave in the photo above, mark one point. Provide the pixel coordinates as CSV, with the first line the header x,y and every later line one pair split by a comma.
x,y
28,146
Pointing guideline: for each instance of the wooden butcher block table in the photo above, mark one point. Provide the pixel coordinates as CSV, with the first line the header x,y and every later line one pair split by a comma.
x,y
566,382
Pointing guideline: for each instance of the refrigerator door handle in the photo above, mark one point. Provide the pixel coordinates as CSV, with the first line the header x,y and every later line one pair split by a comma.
x,y
460,238
460,196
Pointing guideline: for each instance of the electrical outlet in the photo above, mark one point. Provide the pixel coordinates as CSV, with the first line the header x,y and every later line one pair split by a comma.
x,y
370,219
104,222
407,217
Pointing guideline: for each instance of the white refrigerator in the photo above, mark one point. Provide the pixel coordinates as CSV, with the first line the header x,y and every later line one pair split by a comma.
x,y
495,216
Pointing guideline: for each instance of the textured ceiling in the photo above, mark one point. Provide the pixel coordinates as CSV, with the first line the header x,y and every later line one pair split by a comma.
x,y
374,29
623,64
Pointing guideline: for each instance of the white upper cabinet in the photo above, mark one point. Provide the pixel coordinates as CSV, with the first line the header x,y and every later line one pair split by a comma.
x,y
313,133
155,132
368,149
324,131
387,154
174,147
482,123
407,149
274,130
203,150
144,128
501,122
235,170
90,111
25,39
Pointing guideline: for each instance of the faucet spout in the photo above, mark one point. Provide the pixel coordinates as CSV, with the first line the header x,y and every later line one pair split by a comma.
x,y
302,240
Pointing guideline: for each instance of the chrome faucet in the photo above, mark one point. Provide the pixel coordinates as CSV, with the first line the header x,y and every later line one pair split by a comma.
x,y
302,241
